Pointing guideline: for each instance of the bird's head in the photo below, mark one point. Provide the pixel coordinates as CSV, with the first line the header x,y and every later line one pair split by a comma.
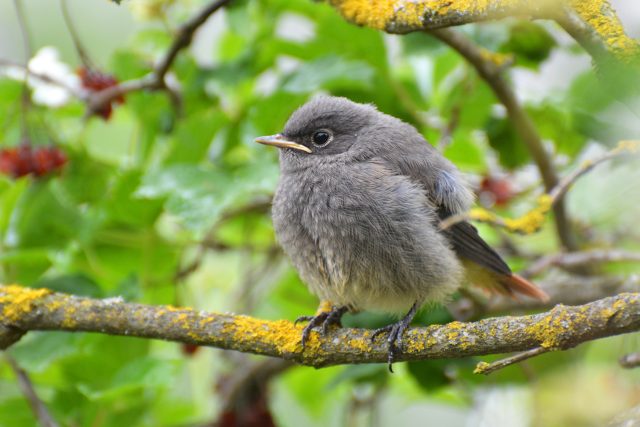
x,y
332,128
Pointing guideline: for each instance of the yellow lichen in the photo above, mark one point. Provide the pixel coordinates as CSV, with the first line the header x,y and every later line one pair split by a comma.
x,y
69,320
498,59
532,220
600,16
324,307
552,330
381,13
526,224
628,145
282,334
385,14
18,300
455,325
483,215
362,345
481,368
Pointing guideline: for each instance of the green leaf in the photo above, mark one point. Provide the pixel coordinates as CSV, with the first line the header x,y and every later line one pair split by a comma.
x,y
43,219
198,196
429,374
330,73
557,124
15,412
376,373
75,284
530,42
125,208
505,140
465,153
39,350
146,373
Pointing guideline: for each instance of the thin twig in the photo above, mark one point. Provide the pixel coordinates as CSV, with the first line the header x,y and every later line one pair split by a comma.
x,y
533,219
26,95
574,259
563,186
258,205
7,63
156,79
37,406
75,37
491,72
487,368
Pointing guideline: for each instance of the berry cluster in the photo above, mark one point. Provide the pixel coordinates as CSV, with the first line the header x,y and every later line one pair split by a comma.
x,y
95,81
26,159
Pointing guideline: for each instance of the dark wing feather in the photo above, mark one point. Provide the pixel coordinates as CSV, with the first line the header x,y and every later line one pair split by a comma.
x,y
467,243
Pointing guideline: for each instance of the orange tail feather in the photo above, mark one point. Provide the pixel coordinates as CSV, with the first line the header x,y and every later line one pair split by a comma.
x,y
515,283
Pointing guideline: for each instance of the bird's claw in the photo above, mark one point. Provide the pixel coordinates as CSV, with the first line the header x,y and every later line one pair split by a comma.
x,y
324,319
396,332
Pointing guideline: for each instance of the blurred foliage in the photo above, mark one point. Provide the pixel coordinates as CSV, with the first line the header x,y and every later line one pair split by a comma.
x,y
150,205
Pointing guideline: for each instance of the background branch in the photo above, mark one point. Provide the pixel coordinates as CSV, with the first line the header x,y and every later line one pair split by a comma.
x,y
40,411
156,79
492,74
561,328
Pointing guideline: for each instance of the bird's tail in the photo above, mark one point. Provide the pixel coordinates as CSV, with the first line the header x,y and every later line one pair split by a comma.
x,y
518,284
503,284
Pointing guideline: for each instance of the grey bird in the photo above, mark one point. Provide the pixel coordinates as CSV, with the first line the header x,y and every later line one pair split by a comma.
x,y
357,210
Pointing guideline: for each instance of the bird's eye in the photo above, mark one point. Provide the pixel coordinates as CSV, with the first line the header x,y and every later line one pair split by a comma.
x,y
321,138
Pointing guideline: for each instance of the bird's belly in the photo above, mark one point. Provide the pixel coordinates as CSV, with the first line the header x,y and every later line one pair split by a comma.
x,y
368,255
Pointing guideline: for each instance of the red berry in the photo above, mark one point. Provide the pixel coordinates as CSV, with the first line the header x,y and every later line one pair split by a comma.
x,y
497,191
95,81
25,159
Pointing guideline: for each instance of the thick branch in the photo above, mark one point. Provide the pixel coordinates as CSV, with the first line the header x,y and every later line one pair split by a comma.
x,y
593,23
400,16
561,328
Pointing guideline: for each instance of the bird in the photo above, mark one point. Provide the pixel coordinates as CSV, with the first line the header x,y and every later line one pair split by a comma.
x,y
357,210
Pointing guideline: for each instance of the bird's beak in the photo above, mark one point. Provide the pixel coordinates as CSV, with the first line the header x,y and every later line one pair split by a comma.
x,y
279,141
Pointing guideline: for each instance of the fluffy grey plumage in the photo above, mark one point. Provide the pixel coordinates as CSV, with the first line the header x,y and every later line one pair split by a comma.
x,y
358,217
358,206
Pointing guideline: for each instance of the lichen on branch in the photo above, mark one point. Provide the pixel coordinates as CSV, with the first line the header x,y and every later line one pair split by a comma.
x,y
593,23
25,309
401,16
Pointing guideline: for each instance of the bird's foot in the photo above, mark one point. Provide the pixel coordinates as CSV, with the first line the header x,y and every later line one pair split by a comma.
x,y
395,331
323,319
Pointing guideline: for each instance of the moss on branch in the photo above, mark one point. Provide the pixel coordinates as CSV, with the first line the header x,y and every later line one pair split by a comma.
x,y
25,309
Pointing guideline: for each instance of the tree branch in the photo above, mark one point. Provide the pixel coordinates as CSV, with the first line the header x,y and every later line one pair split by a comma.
x,y
488,368
399,17
576,259
593,23
630,361
156,79
40,411
533,220
561,328
492,74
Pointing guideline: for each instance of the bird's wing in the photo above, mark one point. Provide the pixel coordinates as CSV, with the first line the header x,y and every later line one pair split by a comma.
x,y
468,244
449,195
425,166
